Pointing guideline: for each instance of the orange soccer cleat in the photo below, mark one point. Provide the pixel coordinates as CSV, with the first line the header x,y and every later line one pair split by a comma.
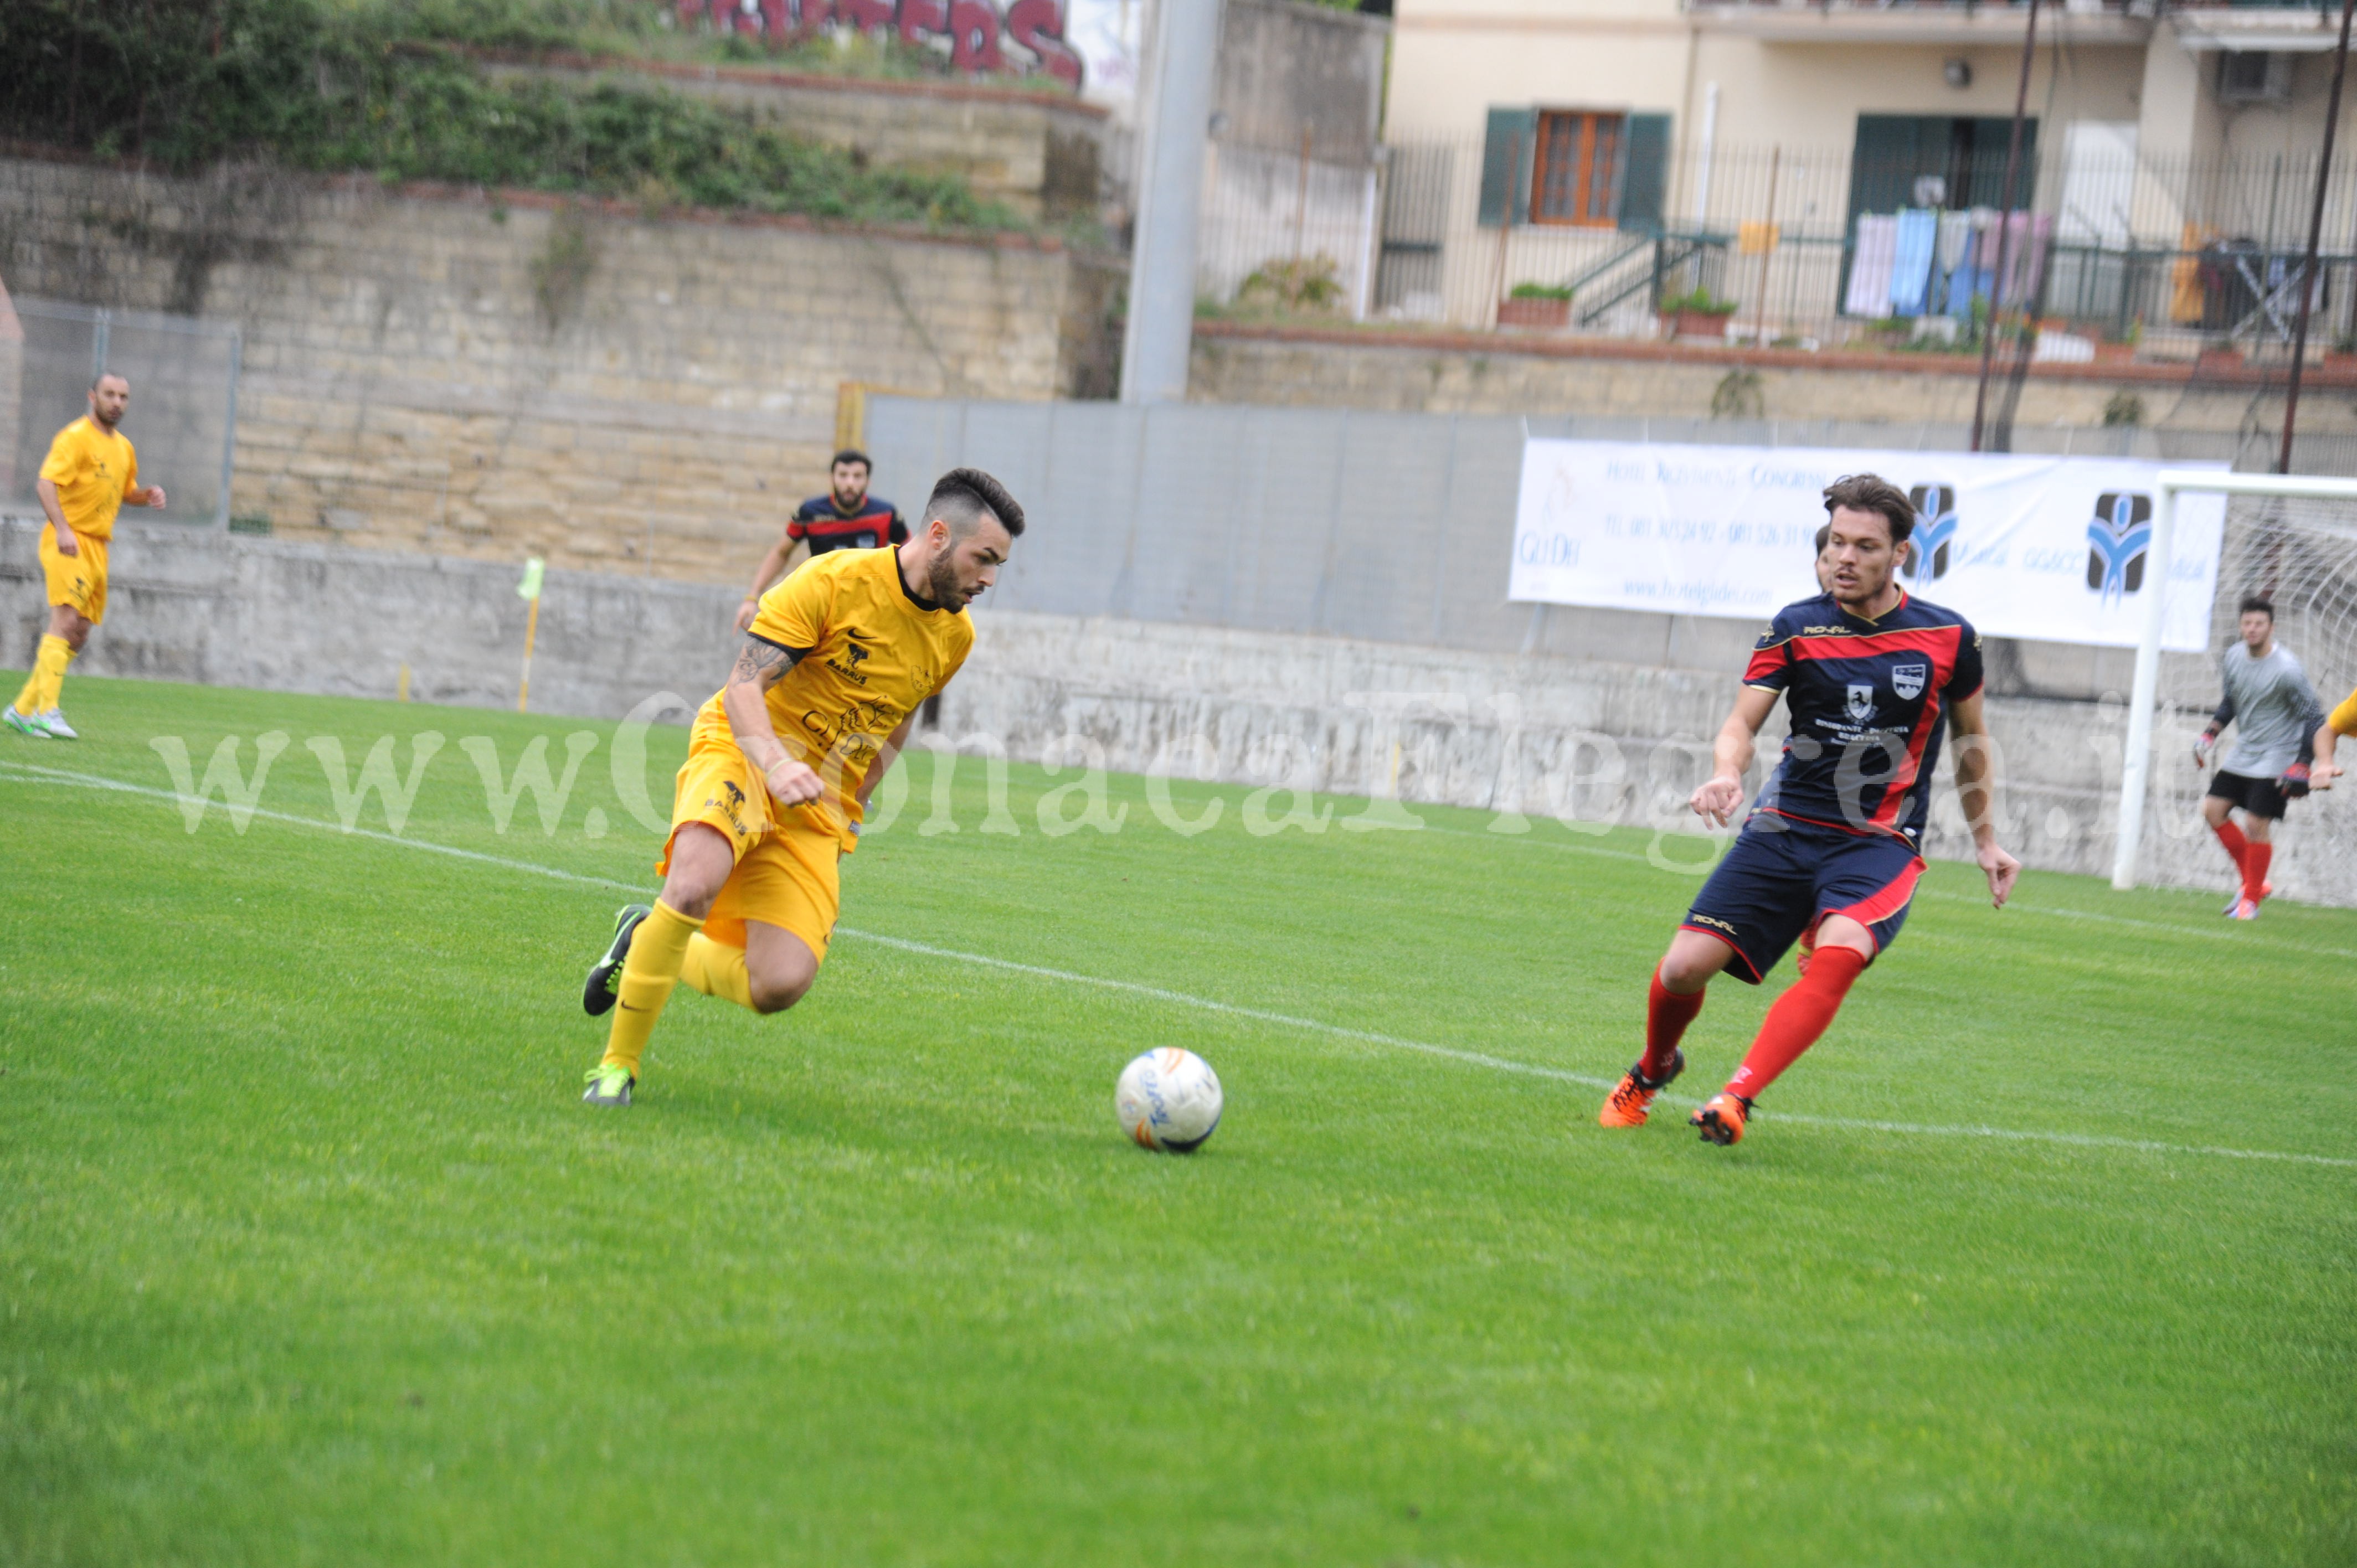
x,y
1633,1096
1721,1121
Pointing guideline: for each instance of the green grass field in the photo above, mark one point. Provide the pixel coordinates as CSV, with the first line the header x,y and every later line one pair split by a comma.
x,y
310,1254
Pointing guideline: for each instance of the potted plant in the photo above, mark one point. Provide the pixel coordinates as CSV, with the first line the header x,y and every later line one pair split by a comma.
x,y
1536,305
1701,313
2121,349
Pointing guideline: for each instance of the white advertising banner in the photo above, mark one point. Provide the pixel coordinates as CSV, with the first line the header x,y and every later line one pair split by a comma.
x,y
2050,548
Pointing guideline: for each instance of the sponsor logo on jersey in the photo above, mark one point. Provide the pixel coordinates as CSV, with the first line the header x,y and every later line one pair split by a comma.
x,y
853,657
1861,703
1908,679
2118,540
1936,532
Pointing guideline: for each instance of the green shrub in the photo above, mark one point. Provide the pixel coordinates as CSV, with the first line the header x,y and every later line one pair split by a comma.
x,y
1540,291
357,88
1702,302
1303,283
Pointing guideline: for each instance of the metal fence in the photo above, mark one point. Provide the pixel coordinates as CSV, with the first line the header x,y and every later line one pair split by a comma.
x,y
1390,527
2127,247
183,416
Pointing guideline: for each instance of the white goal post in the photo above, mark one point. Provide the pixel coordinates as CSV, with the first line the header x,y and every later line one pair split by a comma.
x,y
2136,777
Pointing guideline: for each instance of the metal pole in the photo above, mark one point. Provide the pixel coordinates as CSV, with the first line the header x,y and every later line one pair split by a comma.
x,y
1161,326
1768,256
2315,237
2005,221
229,428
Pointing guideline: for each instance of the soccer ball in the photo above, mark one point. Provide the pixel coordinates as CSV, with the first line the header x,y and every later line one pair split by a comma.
x,y
1168,1099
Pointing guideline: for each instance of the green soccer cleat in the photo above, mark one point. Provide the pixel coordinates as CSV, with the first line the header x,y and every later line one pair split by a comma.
x,y
54,722
605,987
608,1085
26,724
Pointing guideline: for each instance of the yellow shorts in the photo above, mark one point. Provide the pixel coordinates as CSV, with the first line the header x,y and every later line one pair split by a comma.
x,y
786,869
78,579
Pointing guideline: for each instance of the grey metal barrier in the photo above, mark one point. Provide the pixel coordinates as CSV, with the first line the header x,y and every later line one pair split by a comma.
x,y
1393,526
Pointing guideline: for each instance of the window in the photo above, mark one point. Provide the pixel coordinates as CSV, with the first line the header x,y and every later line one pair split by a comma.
x,y
1573,167
1576,175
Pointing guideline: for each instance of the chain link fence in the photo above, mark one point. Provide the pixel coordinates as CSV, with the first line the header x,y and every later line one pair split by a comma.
x,y
183,416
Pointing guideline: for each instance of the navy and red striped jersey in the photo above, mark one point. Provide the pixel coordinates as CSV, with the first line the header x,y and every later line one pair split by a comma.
x,y
1867,700
871,524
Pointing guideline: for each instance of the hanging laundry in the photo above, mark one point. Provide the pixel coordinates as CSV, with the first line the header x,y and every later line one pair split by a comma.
x,y
1955,244
1869,268
1981,278
1910,266
2188,301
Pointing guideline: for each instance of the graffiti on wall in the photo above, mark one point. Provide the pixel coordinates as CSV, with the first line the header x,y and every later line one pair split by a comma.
x,y
1026,37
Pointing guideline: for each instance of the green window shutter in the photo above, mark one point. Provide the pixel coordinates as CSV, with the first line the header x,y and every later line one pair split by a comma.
x,y
1644,173
1506,153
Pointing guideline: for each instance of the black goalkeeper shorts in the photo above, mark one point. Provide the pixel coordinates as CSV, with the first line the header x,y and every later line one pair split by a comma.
x,y
2260,797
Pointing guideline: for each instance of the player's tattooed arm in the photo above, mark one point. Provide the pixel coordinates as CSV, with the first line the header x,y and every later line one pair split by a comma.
x,y
760,664
764,662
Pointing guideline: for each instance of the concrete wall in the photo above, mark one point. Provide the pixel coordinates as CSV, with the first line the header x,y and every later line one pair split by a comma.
x,y
1285,67
497,377
1452,373
1580,739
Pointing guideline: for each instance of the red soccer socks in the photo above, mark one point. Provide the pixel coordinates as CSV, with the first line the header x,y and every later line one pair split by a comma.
x,y
2238,849
1667,1013
1799,1016
2256,858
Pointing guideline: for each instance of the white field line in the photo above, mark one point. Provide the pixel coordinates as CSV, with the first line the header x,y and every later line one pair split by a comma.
x,y
33,773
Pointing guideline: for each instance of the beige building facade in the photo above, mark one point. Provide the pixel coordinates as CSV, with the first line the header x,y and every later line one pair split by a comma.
x,y
2153,128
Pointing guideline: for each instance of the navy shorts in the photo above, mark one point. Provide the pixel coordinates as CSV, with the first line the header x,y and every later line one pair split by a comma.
x,y
1783,875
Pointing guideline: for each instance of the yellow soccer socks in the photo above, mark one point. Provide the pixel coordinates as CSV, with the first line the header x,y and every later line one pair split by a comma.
x,y
48,677
657,949
718,969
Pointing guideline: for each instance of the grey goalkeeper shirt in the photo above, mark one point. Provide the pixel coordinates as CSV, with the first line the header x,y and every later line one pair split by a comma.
x,y
2273,703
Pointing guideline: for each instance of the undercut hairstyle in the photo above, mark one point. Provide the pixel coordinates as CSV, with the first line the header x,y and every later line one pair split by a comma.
x,y
2257,605
964,495
852,455
109,376
1872,492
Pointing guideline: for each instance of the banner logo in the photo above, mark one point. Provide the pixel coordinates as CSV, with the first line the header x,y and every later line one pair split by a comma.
x,y
1935,530
1861,703
1906,680
2117,541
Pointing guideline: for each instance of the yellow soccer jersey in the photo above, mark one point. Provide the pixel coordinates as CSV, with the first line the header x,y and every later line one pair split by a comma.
x,y
2344,717
93,472
874,652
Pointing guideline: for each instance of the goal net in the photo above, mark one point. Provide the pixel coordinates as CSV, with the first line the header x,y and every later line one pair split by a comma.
x,y
2299,552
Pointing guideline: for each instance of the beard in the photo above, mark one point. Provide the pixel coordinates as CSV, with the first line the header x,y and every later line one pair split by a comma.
x,y
941,583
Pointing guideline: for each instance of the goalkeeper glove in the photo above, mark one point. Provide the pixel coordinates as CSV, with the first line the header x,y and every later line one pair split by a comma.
x,y
2295,781
2204,747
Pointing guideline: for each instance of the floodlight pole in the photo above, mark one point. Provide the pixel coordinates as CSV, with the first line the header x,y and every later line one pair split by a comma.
x,y
2315,239
2005,220
1160,330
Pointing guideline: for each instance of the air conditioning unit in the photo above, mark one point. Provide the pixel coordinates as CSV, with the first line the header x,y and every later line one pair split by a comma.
x,y
2253,76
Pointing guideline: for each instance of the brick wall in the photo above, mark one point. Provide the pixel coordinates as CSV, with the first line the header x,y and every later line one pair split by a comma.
x,y
492,377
